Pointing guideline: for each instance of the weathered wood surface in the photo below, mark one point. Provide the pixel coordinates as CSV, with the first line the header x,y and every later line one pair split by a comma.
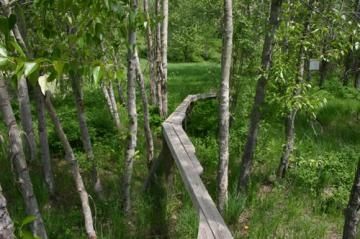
x,y
211,223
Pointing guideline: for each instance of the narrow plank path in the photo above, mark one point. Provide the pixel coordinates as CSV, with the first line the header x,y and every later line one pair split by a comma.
x,y
211,223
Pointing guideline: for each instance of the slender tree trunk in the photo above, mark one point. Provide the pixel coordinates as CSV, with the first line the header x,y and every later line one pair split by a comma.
x,y
357,52
147,129
17,154
114,105
289,145
6,224
131,107
106,92
357,78
120,93
323,71
222,174
107,98
348,68
164,46
255,116
44,143
26,118
150,54
159,69
69,156
352,210
85,136
290,119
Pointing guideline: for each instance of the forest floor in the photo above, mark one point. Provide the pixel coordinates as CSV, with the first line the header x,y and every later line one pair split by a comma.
x,y
309,203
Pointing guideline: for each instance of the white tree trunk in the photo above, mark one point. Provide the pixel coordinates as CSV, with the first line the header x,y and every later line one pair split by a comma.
x,y
114,105
164,46
85,135
69,155
131,107
18,157
106,92
158,60
222,176
44,143
147,129
6,224
26,118
150,54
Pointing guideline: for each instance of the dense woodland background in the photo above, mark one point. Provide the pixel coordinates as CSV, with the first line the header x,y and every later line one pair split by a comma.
x,y
86,85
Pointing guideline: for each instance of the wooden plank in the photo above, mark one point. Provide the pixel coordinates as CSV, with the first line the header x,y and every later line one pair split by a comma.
x,y
189,147
197,190
204,231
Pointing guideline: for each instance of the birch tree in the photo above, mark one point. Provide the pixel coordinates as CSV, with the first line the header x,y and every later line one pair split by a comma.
x,y
84,131
150,54
255,116
44,142
18,157
164,46
131,106
70,157
6,224
158,59
147,129
222,175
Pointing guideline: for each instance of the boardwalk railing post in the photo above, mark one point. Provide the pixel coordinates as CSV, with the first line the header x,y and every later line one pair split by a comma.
x,y
156,186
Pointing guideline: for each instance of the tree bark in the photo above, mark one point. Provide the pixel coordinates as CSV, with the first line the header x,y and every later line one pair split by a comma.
x,y
222,174
247,158
6,224
114,113
159,69
114,105
69,156
17,154
352,210
164,46
289,145
44,143
23,93
150,54
84,131
147,129
131,107
323,71
26,119
120,93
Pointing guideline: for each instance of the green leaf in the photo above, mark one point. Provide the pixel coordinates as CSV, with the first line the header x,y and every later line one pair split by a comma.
x,y
26,235
30,67
18,48
42,80
3,52
59,68
27,220
4,25
3,61
97,74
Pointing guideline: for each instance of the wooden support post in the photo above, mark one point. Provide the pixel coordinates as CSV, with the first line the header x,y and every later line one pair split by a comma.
x,y
160,178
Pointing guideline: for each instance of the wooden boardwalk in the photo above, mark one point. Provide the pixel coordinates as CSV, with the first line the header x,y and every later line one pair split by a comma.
x,y
211,223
